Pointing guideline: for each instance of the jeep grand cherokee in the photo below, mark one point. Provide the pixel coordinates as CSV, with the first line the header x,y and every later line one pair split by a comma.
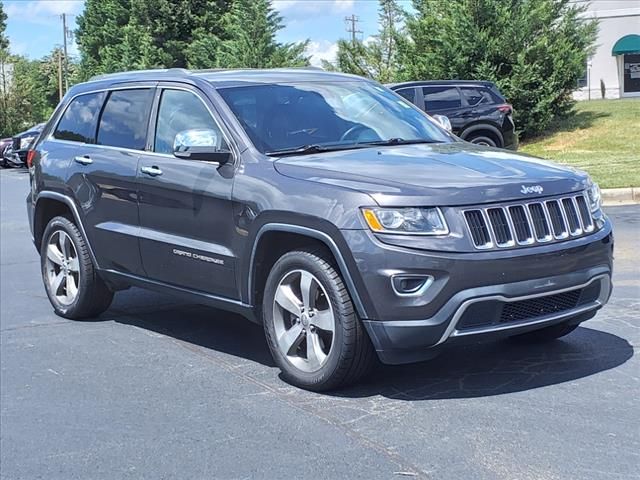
x,y
323,206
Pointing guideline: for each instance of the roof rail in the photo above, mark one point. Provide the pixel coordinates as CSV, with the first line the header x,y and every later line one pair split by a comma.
x,y
150,72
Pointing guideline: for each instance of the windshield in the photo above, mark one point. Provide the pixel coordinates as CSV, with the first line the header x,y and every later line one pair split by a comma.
x,y
333,114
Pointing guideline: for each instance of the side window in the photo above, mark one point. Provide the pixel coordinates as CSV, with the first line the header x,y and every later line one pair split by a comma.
x,y
476,96
125,117
441,98
78,123
180,111
408,93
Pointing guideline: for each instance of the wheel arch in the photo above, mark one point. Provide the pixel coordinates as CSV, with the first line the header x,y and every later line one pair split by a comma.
x,y
51,204
294,236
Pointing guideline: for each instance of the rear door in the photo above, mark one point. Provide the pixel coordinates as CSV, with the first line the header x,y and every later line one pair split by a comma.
x,y
446,100
103,176
185,206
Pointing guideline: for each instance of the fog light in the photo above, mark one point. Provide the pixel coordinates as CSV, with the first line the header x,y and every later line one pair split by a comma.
x,y
411,284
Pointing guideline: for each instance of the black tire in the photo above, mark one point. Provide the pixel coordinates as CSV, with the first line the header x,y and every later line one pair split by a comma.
x,y
93,296
547,334
351,355
481,139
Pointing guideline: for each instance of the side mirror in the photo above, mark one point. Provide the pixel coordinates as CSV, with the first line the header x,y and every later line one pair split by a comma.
x,y
201,144
443,121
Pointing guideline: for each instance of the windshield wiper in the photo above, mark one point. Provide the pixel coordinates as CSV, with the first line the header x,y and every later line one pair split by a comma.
x,y
313,148
399,141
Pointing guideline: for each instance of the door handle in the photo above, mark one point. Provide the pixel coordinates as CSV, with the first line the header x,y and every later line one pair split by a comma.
x,y
84,160
152,171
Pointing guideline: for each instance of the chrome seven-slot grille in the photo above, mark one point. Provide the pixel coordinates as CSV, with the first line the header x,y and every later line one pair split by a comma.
x,y
529,223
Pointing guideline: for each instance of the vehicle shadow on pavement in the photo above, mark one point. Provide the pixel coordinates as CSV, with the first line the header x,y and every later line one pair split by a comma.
x,y
458,372
497,368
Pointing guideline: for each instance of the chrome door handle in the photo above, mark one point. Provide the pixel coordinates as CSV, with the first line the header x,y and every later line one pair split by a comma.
x,y
84,160
153,171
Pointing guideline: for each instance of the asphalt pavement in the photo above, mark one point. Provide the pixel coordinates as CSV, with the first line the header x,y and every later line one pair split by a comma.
x,y
158,388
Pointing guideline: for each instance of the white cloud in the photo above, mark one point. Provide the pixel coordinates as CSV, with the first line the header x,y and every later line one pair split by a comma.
x,y
42,11
322,50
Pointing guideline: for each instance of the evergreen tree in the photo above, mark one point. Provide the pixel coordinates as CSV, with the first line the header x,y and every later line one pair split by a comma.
x,y
535,50
4,41
116,35
251,28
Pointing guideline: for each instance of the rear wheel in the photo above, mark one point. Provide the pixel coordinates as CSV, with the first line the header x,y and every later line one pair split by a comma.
x,y
73,286
545,334
313,333
482,139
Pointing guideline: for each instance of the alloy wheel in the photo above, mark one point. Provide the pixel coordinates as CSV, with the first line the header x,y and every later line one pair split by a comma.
x,y
304,320
62,268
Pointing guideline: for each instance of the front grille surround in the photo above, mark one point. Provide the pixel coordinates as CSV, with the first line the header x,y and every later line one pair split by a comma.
x,y
555,219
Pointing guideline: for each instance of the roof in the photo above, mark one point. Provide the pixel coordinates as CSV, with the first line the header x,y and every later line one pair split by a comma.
x,y
628,44
418,83
229,77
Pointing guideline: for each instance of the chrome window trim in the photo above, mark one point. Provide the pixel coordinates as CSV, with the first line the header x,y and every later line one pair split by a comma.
x,y
162,87
150,85
50,136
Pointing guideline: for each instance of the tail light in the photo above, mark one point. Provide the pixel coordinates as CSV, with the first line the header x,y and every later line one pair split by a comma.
x,y
505,108
31,154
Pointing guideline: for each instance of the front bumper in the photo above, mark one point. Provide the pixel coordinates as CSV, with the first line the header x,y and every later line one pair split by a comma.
x,y
475,289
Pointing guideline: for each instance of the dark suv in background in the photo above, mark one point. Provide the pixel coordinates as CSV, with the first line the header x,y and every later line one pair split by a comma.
x,y
320,205
477,110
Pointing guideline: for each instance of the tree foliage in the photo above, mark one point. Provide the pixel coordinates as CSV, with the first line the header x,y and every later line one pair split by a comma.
x,y
33,92
534,50
116,35
251,27
377,57
4,41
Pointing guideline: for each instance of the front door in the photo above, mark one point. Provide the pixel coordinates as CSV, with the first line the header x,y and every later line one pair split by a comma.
x,y
186,222
631,73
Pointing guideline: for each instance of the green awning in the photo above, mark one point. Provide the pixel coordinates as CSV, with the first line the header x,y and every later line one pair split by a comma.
x,y
627,44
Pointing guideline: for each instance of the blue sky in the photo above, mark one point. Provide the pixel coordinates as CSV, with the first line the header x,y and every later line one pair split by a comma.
x,y
34,26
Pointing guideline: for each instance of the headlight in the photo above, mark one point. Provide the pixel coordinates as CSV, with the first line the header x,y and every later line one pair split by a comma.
x,y
406,221
595,200
25,142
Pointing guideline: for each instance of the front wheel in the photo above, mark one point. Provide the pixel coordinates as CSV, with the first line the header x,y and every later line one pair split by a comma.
x,y
314,335
73,286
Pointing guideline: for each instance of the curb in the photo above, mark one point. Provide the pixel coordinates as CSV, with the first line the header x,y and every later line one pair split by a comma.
x,y
620,196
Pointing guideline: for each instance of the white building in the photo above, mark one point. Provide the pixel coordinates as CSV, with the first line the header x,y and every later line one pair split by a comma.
x,y
615,66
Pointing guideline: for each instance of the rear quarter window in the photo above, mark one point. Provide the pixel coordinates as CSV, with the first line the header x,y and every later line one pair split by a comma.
x,y
476,96
78,123
125,119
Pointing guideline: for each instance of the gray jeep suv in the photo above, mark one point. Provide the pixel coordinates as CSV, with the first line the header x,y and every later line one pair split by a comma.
x,y
321,205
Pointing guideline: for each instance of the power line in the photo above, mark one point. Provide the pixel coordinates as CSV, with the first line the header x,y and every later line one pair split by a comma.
x,y
352,21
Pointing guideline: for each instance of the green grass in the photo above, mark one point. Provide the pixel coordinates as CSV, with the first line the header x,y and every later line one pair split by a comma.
x,y
601,137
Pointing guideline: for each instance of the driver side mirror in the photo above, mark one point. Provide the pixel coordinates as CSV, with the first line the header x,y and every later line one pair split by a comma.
x,y
443,121
201,144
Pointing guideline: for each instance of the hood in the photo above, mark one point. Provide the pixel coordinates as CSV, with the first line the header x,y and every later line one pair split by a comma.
x,y
436,174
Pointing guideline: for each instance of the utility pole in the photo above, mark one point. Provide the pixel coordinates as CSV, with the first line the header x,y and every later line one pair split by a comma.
x,y
352,21
60,73
66,64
